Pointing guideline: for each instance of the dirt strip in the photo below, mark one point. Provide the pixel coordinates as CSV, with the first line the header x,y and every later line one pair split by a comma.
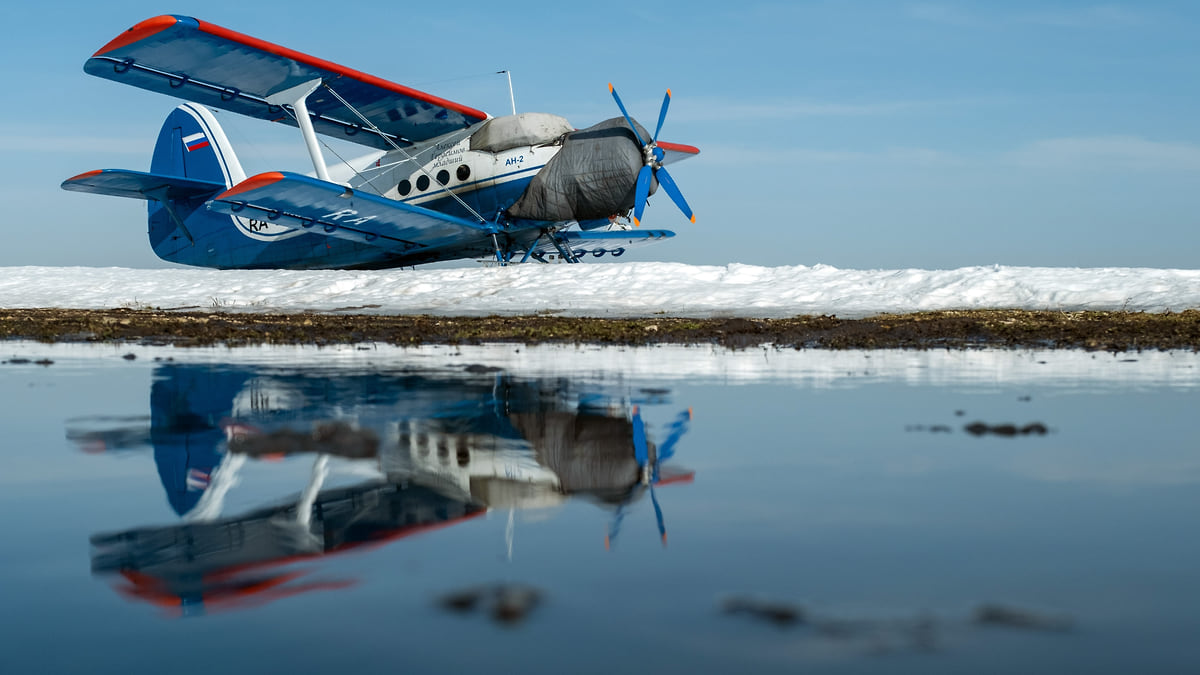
x,y
1106,331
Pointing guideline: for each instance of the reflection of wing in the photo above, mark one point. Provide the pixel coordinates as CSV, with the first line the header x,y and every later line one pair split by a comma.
x,y
326,208
214,66
235,562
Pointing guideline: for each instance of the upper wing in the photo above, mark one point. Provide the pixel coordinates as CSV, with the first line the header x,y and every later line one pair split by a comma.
x,y
337,211
221,68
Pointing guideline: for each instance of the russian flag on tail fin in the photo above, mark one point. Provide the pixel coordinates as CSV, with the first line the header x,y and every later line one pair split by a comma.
x,y
195,142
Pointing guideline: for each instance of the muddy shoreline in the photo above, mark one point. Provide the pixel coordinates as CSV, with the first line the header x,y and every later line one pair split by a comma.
x,y
1103,331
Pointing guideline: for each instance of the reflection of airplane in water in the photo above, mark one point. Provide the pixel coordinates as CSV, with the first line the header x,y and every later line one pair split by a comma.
x,y
428,449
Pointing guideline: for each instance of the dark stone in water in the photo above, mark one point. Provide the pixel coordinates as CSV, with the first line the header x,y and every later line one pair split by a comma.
x,y
1007,430
1012,617
778,613
507,604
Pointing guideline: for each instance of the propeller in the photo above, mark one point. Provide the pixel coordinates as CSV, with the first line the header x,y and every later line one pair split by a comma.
x,y
649,470
653,167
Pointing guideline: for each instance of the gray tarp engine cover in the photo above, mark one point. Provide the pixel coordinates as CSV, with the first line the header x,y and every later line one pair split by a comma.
x,y
514,131
594,176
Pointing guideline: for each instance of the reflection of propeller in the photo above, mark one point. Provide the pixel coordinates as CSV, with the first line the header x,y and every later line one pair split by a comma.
x,y
653,164
649,470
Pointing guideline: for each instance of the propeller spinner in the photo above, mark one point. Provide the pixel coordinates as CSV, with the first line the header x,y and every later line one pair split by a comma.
x,y
653,164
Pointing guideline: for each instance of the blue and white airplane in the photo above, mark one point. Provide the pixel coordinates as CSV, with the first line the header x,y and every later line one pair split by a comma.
x,y
443,181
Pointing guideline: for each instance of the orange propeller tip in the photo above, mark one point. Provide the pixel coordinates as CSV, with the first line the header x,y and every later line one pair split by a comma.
x,y
693,219
668,91
610,87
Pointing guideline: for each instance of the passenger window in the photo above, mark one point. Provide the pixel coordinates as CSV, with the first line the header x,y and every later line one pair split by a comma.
x,y
422,182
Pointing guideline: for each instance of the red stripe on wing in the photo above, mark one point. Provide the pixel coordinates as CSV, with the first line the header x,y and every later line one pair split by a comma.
x,y
271,48
252,183
139,32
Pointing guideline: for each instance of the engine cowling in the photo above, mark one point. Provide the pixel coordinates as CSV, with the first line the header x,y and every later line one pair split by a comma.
x,y
593,176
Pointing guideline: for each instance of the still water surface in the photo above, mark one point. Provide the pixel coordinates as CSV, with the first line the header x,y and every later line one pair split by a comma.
x,y
588,510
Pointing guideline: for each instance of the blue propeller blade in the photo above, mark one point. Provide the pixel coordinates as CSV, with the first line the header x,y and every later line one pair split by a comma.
x,y
626,114
662,528
615,527
642,194
678,428
668,183
662,115
640,452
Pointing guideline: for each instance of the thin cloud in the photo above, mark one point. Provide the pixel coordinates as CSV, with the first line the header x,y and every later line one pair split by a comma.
x,y
1089,17
1108,152
1098,16
891,156
946,14
75,144
723,110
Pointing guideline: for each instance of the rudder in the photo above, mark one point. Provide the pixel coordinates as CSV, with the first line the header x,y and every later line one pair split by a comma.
x,y
192,145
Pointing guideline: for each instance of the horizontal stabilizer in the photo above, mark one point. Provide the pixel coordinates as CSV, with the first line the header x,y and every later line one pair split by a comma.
x,y
217,67
319,207
141,185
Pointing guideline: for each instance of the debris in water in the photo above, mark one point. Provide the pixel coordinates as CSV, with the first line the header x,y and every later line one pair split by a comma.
x,y
1012,617
507,604
1008,430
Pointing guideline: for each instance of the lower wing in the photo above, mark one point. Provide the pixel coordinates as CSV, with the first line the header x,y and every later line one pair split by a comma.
x,y
316,206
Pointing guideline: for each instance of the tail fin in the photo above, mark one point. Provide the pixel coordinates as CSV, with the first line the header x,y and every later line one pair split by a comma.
x,y
192,162
192,144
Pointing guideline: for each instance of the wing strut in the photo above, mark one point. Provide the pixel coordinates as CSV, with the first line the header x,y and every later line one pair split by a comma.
x,y
295,96
392,143
566,253
160,195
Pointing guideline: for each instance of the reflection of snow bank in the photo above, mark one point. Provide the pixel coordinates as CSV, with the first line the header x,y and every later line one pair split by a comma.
x,y
647,367
633,289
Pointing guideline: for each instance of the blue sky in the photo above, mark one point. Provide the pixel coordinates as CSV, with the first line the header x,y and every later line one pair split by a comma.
x,y
864,134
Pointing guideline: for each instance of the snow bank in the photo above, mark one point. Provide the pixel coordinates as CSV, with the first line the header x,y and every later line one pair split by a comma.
x,y
617,290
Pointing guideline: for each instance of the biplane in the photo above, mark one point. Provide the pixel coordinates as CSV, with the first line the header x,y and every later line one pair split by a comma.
x,y
440,181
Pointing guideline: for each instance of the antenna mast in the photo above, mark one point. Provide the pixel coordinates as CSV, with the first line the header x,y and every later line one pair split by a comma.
x,y
512,99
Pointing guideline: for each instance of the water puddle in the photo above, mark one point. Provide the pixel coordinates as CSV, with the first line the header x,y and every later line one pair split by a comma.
x,y
576,508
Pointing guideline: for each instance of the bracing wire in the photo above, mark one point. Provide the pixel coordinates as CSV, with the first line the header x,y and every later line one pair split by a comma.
x,y
404,152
